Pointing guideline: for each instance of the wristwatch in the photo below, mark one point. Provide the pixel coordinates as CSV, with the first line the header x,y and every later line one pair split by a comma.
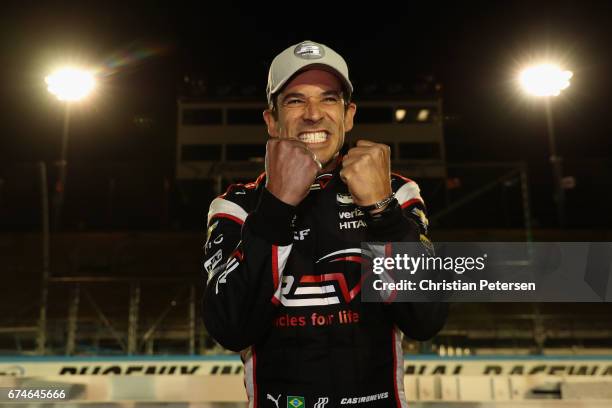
x,y
377,206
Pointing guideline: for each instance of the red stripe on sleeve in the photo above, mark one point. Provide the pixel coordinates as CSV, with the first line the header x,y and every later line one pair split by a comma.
x,y
229,217
413,201
358,259
275,266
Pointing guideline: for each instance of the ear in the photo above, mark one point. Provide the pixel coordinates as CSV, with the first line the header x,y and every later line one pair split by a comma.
x,y
270,123
348,116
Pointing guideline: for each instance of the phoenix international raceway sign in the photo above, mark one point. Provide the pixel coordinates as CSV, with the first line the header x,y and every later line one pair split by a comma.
x,y
228,365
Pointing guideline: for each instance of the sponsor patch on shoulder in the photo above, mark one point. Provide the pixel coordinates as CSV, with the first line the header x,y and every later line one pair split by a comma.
x,y
213,261
211,229
420,214
427,243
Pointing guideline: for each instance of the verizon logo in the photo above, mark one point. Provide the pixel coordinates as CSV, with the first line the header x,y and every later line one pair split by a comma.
x,y
350,214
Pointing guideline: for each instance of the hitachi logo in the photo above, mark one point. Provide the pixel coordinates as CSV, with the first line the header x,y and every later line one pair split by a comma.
x,y
352,224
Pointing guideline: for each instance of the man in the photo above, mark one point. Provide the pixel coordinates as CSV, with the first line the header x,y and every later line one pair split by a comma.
x,y
284,252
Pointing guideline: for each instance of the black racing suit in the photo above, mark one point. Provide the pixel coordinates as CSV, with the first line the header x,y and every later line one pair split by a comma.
x,y
284,290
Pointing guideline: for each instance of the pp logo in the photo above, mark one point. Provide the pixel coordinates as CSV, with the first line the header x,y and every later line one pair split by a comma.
x,y
322,402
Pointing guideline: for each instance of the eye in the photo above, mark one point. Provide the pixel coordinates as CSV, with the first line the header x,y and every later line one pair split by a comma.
x,y
293,101
331,100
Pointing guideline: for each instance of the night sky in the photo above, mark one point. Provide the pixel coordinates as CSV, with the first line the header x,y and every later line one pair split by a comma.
x,y
144,50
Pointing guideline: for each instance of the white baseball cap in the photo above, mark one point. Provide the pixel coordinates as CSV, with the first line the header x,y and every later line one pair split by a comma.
x,y
300,56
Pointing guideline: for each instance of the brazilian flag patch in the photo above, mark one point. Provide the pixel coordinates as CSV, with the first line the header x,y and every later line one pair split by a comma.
x,y
295,402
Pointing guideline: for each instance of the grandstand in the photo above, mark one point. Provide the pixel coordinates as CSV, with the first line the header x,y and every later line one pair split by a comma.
x,y
116,291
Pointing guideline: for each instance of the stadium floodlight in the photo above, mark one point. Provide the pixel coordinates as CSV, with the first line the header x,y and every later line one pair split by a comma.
x,y
545,80
548,80
70,84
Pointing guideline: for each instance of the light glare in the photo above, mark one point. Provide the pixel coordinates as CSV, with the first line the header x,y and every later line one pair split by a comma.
x,y
70,84
423,115
400,114
545,80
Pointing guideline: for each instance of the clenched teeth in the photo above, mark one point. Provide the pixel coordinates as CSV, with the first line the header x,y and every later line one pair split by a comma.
x,y
313,137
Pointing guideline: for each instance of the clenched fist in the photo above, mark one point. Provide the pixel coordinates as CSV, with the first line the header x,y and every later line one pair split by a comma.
x,y
366,170
291,168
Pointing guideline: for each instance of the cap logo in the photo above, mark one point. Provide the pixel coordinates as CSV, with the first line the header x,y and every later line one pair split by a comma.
x,y
309,50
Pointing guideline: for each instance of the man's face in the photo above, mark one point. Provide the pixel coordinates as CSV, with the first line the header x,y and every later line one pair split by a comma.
x,y
311,109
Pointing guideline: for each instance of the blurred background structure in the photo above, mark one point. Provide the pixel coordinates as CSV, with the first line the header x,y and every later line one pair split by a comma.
x,y
102,257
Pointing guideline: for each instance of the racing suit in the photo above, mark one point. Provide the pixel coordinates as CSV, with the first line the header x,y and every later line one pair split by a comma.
x,y
284,290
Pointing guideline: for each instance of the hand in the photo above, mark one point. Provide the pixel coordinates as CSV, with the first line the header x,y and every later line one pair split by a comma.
x,y
291,168
366,170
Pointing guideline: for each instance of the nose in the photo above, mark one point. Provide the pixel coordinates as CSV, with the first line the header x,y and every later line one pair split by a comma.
x,y
313,111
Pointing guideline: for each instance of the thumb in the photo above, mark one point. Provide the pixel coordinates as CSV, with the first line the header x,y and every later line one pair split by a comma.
x,y
343,176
